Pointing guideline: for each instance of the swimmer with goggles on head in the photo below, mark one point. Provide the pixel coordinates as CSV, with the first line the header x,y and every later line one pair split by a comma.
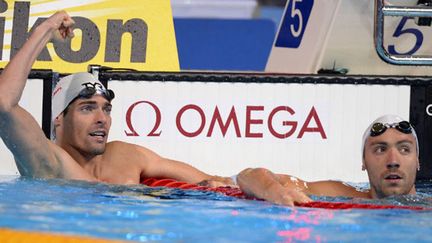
x,y
390,153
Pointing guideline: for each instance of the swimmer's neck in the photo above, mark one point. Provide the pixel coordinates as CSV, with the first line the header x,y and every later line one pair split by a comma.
x,y
374,195
88,161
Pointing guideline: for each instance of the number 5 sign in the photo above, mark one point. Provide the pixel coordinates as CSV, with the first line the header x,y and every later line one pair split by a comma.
x,y
294,23
302,37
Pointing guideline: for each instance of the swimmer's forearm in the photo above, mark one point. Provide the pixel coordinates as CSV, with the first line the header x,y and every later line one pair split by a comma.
x,y
256,182
15,74
160,167
262,183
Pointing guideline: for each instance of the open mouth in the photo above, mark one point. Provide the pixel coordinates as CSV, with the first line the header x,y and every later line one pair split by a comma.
x,y
393,177
100,134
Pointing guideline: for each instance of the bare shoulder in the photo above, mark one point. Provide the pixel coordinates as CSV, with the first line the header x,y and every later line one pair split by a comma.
x,y
335,188
133,153
120,145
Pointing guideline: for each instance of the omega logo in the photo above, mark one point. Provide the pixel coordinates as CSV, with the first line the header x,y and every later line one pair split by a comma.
x,y
252,127
158,115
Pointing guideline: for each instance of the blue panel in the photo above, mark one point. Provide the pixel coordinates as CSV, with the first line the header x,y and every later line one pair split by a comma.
x,y
222,44
294,23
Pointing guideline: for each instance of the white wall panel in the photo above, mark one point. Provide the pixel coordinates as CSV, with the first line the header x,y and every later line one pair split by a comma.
x,y
343,110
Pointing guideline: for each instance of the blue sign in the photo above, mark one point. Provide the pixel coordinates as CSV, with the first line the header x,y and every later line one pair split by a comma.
x,y
294,23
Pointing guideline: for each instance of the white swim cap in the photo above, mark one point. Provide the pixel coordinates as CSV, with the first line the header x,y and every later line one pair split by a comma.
x,y
70,87
387,120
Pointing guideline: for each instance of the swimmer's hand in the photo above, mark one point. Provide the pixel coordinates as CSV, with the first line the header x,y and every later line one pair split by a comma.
x,y
285,195
264,184
218,181
61,25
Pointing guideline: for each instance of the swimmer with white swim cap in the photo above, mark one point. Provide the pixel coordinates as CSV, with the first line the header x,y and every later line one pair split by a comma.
x,y
81,108
390,152
390,156
74,86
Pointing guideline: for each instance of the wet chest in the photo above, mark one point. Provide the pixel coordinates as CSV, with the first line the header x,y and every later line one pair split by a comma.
x,y
118,173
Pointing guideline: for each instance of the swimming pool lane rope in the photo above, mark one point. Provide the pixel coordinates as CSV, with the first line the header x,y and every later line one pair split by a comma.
x,y
236,192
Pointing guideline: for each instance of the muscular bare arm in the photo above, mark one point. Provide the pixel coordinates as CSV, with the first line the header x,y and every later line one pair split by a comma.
x,y
288,190
160,167
264,184
34,154
150,164
167,168
323,188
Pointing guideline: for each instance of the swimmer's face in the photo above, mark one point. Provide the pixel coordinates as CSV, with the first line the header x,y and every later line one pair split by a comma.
x,y
391,163
86,125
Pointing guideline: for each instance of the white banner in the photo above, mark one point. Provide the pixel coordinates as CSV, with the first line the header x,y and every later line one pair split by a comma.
x,y
308,130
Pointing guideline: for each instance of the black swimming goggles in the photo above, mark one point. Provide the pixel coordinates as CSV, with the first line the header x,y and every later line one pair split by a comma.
x,y
379,128
91,89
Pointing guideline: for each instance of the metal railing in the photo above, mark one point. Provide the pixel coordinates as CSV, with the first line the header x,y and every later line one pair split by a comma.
x,y
381,11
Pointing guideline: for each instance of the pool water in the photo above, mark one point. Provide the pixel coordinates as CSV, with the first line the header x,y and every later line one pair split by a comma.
x,y
143,214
